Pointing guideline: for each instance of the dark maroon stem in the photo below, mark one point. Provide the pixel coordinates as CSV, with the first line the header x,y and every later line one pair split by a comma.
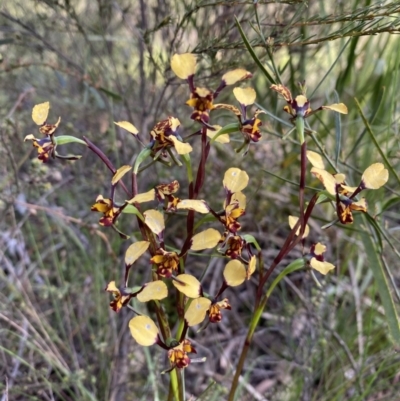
x,y
106,161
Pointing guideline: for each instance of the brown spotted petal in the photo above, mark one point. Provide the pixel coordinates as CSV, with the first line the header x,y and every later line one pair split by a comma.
x,y
178,355
251,128
165,128
44,146
201,99
167,262
120,299
110,212
167,189
229,107
234,246
283,91
345,207
214,313
49,129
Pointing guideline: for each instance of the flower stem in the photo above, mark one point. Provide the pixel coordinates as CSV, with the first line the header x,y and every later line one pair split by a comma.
x,y
174,392
253,325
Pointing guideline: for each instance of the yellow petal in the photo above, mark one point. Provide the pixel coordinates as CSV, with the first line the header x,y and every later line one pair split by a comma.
x,y
326,178
183,65
30,137
206,239
338,107
224,138
119,174
251,268
154,220
181,147
340,178
240,198
197,205
348,189
174,123
319,249
40,113
187,285
315,159
245,96
231,77
322,267
375,176
111,287
301,100
154,290
143,330
361,205
235,180
135,251
292,223
126,125
144,197
234,273
197,310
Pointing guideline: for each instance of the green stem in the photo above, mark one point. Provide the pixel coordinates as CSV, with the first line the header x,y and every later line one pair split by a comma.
x,y
174,386
295,265
253,325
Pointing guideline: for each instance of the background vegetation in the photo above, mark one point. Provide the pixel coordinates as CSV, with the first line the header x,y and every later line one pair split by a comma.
x,y
103,61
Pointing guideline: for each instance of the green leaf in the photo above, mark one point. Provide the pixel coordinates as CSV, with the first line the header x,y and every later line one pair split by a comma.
x,y
63,139
113,95
130,209
227,129
371,134
143,155
253,54
251,240
295,265
390,203
385,295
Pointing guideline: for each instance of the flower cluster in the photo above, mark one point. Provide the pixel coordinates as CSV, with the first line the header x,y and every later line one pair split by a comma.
x,y
374,177
168,275
46,147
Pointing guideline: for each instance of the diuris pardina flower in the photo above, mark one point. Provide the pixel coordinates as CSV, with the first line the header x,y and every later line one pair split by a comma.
x,y
167,262
46,146
202,307
249,127
234,246
120,298
214,313
109,209
155,290
316,259
164,135
178,354
374,177
300,105
235,203
145,332
201,99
